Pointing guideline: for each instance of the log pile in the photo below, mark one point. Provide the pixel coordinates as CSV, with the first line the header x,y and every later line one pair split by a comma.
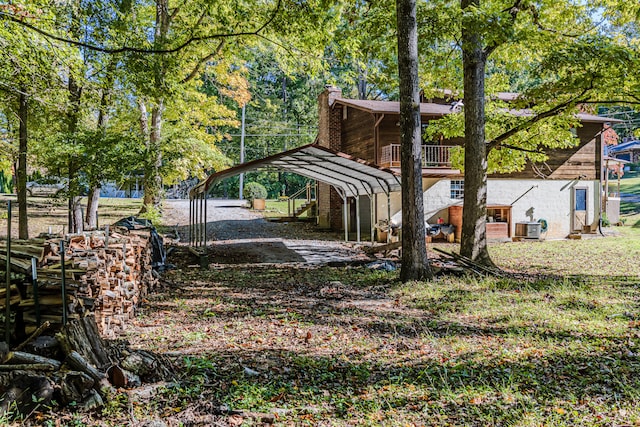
x,y
76,366
105,273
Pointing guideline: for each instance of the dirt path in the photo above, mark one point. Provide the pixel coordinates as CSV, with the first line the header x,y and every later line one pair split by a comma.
x,y
237,235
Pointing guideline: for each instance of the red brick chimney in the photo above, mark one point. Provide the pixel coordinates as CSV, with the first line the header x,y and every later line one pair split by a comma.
x,y
329,135
329,118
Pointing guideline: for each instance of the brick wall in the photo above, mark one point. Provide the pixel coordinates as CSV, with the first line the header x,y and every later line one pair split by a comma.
x,y
329,135
329,118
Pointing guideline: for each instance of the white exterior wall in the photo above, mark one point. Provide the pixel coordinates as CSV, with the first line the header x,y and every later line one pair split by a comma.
x,y
381,206
530,200
551,200
438,191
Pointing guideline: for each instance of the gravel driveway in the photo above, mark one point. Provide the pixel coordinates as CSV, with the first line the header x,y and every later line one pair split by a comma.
x,y
237,235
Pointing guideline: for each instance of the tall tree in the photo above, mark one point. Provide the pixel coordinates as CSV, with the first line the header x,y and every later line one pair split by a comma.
x,y
21,187
26,81
474,216
415,265
486,27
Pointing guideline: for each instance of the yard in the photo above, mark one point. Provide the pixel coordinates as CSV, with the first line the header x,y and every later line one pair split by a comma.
x,y
630,186
557,345
49,214
353,346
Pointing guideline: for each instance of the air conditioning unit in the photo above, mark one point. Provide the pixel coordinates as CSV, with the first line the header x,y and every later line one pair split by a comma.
x,y
528,230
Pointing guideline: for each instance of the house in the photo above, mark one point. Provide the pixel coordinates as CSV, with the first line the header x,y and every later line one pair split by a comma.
x,y
629,151
565,192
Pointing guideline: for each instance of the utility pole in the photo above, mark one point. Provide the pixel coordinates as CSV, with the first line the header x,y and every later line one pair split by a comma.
x,y
242,150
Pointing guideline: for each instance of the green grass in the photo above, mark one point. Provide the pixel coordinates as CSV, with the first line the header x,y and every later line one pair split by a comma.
x,y
46,213
557,345
279,208
629,185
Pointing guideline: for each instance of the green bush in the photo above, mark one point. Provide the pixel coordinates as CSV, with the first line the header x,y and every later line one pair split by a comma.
x,y
254,190
153,214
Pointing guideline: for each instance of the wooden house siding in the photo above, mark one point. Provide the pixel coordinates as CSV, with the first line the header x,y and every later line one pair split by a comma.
x,y
389,130
580,162
357,134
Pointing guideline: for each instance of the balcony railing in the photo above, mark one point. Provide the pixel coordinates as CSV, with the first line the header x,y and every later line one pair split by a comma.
x,y
433,156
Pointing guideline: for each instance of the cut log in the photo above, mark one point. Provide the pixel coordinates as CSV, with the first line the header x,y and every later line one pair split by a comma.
x,y
24,392
75,386
82,336
76,361
107,275
121,378
29,367
21,357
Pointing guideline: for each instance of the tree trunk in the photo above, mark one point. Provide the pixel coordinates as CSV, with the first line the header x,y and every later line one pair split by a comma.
x,y
23,112
474,213
76,214
153,179
415,265
93,200
75,93
362,83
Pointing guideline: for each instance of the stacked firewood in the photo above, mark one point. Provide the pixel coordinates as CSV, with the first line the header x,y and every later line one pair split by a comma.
x,y
105,273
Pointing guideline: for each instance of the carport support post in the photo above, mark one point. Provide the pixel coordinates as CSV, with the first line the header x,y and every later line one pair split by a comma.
x,y
371,202
200,221
196,220
203,221
191,226
201,237
389,217
358,219
345,215
206,196
196,226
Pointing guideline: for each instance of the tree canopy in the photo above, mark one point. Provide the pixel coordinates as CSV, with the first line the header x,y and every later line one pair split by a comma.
x,y
156,87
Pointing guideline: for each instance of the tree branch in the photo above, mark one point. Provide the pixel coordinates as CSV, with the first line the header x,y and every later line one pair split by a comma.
x,y
513,11
131,49
196,68
526,150
536,20
495,142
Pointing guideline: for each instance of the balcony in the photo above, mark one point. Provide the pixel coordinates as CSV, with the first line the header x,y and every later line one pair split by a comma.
x,y
433,156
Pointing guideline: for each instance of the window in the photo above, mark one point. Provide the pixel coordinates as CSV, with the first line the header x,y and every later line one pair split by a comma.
x,y
581,199
457,189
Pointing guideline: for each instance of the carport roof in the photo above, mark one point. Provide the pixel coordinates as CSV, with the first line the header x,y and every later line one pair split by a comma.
x,y
355,177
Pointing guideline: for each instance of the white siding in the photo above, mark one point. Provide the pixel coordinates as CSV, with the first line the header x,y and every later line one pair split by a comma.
x,y
530,200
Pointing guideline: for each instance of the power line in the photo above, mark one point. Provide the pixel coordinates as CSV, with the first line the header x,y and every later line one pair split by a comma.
x,y
273,134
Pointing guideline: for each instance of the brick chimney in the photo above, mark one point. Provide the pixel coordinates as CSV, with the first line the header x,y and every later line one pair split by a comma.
x,y
329,118
329,135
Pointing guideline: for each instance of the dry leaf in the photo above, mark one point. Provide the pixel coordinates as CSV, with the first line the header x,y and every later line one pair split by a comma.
x,y
277,397
235,420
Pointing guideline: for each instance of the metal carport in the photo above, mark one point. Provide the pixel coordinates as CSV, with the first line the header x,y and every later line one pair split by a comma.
x,y
351,177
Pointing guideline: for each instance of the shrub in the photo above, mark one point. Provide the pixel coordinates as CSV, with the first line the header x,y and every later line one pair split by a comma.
x,y
254,190
152,213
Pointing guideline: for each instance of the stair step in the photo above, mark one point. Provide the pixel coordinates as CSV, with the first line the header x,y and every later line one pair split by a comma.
x,y
304,207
